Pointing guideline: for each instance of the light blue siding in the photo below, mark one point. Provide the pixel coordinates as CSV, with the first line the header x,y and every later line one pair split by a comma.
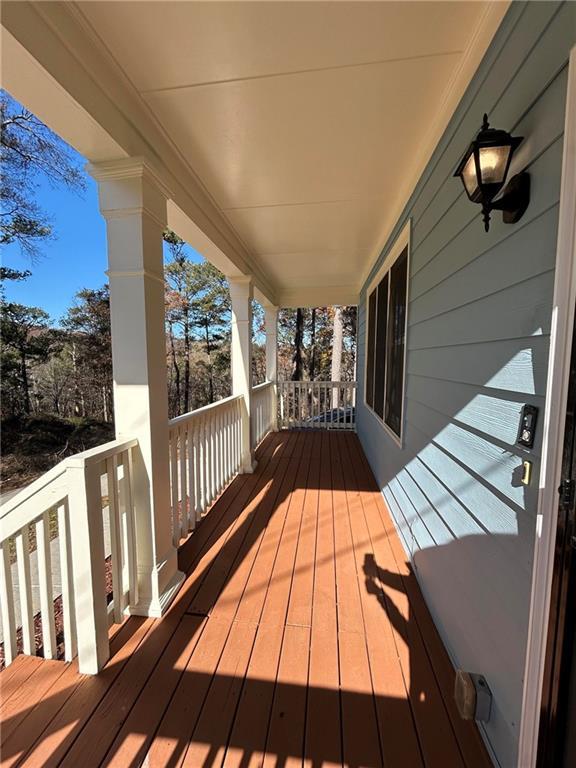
x,y
477,350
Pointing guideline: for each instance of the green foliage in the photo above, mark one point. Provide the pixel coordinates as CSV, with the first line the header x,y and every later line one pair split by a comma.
x,y
7,273
30,151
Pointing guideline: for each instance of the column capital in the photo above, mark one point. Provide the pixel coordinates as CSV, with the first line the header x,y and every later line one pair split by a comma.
x,y
130,186
240,279
127,168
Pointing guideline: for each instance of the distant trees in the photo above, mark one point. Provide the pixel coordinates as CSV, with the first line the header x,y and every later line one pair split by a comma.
x,y
25,340
84,351
67,370
317,344
198,330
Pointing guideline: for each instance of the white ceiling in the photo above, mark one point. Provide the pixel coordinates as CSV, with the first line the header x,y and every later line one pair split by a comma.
x,y
306,122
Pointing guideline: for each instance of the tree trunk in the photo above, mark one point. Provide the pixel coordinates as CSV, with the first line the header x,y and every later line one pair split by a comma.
x,y
176,368
78,396
104,404
186,367
312,361
298,337
25,385
337,352
208,351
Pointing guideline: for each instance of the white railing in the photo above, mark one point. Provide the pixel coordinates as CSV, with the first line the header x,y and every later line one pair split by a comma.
x,y
205,454
263,411
52,541
317,404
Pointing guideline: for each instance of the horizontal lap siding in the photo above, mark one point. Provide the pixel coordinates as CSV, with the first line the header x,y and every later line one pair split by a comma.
x,y
477,350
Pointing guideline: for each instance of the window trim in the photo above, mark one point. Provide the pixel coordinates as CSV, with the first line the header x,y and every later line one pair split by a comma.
x,y
402,242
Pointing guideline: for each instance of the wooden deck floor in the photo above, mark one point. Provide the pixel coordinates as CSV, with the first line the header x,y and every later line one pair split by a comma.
x,y
299,638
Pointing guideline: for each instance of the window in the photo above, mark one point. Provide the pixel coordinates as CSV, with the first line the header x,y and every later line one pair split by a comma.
x,y
386,340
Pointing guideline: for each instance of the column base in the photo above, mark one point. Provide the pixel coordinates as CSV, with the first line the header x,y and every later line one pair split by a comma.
x,y
249,468
155,608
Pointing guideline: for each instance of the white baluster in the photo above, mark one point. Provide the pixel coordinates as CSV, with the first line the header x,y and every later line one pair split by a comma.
x,y
70,640
221,469
197,470
183,482
191,516
205,463
129,531
115,537
25,590
45,584
174,485
7,605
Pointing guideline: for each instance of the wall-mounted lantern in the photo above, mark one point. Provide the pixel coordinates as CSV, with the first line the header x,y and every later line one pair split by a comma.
x,y
483,171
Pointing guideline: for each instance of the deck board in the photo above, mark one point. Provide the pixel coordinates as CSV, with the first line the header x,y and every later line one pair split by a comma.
x,y
300,637
398,736
468,736
323,719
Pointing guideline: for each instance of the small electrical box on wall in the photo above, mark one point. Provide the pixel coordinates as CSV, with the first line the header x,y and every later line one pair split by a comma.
x,y
527,428
472,695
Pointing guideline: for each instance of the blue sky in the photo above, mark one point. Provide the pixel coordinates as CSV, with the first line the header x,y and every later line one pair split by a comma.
x,y
76,257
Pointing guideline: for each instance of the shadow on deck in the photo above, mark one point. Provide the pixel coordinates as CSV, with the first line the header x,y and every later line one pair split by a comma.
x,y
300,637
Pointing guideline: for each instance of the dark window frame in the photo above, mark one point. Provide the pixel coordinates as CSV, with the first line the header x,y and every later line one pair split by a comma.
x,y
400,249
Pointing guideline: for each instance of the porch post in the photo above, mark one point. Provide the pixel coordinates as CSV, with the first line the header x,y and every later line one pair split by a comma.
x,y
271,326
133,202
241,292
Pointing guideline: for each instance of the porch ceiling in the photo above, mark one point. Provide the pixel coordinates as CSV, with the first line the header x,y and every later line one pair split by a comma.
x,y
307,124
304,121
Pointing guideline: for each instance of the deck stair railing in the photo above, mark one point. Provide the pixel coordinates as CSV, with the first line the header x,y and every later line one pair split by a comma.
x,y
53,553
317,404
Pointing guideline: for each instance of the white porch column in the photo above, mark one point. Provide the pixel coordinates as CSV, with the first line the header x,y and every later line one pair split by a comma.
x,y
133,202
241,292
271,327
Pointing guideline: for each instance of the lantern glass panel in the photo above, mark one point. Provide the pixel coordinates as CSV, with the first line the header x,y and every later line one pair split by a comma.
x,y
469,176
493,164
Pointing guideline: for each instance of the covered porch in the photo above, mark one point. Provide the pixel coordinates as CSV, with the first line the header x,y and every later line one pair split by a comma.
x,y
299,636
261,602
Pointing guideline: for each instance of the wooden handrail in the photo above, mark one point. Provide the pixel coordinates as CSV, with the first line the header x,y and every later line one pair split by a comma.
x,y
201,411
262,386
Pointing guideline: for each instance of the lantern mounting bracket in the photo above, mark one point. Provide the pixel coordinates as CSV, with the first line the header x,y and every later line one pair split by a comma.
x,y
513,201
